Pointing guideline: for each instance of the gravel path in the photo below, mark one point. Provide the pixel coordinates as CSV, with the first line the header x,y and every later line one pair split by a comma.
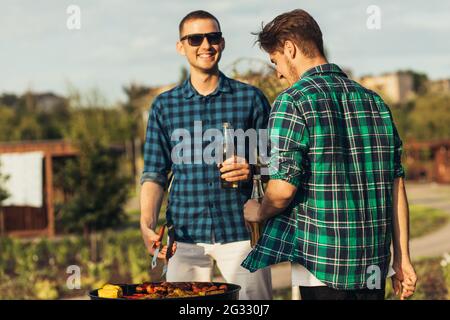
x,y
433,196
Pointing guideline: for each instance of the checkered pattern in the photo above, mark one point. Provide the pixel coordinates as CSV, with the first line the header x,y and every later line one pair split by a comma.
x,y
337,143
200,210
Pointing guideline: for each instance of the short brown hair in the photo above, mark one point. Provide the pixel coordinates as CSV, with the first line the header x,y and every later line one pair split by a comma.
x,y
297,26
198,14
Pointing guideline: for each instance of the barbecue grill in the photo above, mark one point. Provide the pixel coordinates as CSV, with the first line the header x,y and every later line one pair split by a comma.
x,y
129,289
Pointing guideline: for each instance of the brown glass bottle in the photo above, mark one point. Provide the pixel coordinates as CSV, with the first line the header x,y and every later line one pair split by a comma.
x,y
229,150
258,195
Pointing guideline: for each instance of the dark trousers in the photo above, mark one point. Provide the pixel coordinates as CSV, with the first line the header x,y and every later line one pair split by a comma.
x,y
327,293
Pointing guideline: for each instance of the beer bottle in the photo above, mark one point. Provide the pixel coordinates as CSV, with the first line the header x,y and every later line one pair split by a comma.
x,y
257,194
229,150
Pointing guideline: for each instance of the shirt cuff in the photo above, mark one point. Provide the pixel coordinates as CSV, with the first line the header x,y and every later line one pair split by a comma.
x,y
295,181
399,172
286,169
154,177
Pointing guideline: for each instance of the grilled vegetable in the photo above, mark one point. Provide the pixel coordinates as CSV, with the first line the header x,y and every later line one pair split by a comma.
x,y
164,290
110,291
208,293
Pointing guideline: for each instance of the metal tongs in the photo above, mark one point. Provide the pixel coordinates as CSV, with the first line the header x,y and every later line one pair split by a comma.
x,y
158,245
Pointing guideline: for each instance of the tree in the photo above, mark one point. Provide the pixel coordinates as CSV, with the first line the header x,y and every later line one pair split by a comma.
x,y
420,81
430,117
97,190
258,73
7,117
401,113
22,118
27,128
183,75
9,99
91,116
133,108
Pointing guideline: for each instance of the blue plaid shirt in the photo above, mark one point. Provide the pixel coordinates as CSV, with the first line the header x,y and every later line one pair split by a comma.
x,y
200,210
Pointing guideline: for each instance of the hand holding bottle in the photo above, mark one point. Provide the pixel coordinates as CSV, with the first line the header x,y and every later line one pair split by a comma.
x,y
235,169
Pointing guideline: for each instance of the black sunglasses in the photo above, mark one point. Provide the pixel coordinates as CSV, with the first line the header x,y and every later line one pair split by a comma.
x,y
196,39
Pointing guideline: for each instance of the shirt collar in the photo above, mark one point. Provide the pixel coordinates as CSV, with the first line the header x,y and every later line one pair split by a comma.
x,y
223,87
324,68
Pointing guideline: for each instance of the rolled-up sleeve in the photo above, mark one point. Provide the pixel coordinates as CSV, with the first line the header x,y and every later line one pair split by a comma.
x,y
289,139
399,171
157,161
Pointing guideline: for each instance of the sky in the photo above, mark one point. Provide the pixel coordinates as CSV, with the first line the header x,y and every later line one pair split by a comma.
x,y
120,42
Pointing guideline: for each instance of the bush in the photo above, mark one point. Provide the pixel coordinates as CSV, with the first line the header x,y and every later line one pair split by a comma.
x,y
96,189
445,263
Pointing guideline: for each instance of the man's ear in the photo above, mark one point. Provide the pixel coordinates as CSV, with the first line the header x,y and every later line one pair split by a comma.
x,y
222,44
290,49
180,48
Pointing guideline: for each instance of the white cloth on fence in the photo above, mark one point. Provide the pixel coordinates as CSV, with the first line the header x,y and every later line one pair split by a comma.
x,y
25,182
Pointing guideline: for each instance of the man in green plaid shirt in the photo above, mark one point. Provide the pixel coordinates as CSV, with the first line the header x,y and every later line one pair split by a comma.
x,y
336,195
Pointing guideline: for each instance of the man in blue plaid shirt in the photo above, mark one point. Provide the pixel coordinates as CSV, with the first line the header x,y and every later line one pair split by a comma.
x,y
208,221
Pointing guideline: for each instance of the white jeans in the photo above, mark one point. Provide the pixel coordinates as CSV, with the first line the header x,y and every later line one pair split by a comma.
x,y
195,262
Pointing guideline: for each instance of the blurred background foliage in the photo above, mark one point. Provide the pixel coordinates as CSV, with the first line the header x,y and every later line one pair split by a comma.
x,y
424,117
37,269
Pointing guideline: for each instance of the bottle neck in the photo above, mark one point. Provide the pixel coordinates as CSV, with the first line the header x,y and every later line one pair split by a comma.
x,y
257,191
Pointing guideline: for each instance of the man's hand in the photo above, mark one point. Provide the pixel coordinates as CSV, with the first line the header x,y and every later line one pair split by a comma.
x,y
404,280
235,169
150,238
251,209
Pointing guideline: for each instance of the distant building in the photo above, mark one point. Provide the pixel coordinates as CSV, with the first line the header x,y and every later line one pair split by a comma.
x,y
441,86
396,87
48,101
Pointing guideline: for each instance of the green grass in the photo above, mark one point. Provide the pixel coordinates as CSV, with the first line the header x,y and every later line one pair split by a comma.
x,y
425,220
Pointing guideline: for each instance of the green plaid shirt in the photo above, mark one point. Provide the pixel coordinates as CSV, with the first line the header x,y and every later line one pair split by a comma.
x,y
337,143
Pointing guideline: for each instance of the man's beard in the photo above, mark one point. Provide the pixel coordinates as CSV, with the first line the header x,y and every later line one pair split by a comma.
x,y
292,72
